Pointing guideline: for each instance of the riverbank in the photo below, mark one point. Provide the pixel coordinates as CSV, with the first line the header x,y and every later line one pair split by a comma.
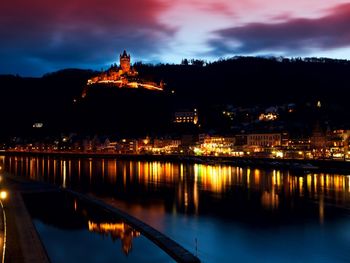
x,y
300,166
23,244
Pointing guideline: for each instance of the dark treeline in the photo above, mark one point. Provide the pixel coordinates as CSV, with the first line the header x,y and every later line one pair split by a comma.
x,y
55,98
252,80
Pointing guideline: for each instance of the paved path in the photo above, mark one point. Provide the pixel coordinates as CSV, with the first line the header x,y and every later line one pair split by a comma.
x,y
2,233
23,243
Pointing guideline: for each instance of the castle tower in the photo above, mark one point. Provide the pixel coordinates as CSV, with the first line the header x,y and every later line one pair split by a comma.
x,y
125,62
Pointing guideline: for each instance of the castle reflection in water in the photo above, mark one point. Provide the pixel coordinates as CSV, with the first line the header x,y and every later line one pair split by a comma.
x,y
188,184
116,231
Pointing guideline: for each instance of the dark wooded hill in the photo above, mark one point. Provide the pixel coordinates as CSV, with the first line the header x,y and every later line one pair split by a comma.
x,y
55,99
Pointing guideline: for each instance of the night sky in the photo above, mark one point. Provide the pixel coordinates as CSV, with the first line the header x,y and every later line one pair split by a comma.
x,y
39,36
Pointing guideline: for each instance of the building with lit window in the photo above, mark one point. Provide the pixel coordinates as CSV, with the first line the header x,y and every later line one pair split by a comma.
x,y
166,145
127,146
264,139
266,144
215,145
338,142
271,116
186,117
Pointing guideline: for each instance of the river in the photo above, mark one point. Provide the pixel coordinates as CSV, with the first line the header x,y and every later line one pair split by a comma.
x,y
220,213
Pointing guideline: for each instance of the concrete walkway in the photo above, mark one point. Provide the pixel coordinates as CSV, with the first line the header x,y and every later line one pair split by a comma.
x,y
2,233
23,244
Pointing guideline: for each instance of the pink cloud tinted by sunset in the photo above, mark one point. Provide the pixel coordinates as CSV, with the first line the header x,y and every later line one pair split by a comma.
x,y
38,36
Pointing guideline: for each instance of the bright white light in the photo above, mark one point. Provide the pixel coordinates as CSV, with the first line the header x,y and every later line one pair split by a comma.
x,y
279,154
38,125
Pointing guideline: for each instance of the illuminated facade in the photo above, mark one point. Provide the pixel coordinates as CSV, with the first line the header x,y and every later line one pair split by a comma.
x,y
186,117
264,139
271,116
338,143
127,146
166,145
125,62
215,145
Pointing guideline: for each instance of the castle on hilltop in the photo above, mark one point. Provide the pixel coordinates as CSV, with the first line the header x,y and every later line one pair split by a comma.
x,y
124,61
123,76
116,74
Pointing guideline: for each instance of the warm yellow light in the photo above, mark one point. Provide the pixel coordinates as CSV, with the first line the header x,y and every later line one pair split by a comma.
x,y
279,154
3,195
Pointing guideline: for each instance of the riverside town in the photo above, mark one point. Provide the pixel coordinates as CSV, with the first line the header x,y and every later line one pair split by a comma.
x,y
174,131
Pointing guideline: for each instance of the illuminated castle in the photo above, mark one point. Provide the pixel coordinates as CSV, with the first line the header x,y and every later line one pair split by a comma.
x,y
124,62
123,76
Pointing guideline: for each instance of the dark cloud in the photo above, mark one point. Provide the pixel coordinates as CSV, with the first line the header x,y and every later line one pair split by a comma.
x,y
40,34
290,37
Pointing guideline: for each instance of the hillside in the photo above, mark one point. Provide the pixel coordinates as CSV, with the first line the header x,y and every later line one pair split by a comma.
x,y
55,99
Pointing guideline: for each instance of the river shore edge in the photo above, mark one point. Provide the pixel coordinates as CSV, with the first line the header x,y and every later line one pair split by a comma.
x,y
299,166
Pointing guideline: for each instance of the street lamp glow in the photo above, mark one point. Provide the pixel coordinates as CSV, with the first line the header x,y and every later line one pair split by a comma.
x,y
3,195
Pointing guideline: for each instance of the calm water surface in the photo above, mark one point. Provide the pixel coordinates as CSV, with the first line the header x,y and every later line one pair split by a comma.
x,y
221,213
74,231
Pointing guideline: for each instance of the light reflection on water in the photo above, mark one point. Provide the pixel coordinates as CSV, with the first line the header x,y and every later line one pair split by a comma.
x,y
183,199
212,178
73,230
115,231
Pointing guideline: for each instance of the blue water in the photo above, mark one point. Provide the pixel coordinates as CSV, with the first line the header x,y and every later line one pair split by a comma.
x,y
227,240
84,246
76,231
221,213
